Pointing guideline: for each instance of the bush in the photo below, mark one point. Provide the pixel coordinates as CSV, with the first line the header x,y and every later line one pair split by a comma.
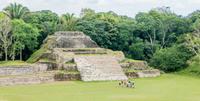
x,y
194,67
171,59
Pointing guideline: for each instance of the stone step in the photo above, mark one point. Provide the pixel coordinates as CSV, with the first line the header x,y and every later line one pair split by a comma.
x,y
101,67
23,69
85,50
27,79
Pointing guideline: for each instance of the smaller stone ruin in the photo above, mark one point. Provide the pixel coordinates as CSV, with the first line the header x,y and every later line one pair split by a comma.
x,y
70,40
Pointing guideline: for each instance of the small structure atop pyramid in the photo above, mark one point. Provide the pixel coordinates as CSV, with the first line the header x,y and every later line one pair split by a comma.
x,y
68,39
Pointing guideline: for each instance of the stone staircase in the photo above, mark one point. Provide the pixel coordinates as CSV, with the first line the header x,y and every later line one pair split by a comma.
x,y
99,67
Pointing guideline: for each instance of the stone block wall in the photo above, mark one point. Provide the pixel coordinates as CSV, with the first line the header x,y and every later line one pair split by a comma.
x,y
131,74
73,40
23,69
67,77
143,73
136,65
38,78
70,67
9,81
149,73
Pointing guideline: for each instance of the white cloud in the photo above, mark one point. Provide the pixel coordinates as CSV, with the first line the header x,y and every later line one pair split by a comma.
x,y
123,7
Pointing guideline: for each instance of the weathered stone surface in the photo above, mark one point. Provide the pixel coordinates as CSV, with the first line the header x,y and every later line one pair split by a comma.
x,y
102,67
47,66
70,67
26,80
23,69
85,50
37,78
62,56
136,65
149,73
125,65
70,40
67,77
132,75
119,55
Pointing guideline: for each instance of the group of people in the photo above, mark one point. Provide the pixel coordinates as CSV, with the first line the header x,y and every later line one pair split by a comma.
x,y
125,83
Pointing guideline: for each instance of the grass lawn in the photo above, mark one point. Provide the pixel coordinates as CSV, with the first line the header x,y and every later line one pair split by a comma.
x,y
168,87
12,63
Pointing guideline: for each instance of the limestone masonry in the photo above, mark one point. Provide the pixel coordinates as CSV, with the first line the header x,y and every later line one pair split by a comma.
x,y
92,62
74,56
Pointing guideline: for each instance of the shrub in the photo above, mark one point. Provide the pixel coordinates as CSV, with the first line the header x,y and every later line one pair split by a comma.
x,y
171,59
194,67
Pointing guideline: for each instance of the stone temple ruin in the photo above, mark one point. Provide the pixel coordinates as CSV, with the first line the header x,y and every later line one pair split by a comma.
x,y
74,56
92,62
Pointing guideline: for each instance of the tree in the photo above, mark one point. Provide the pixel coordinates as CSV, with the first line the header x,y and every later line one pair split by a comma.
x,y
68,21
194,16
166,24
87,13
46,21
171,59
159,28
16,11
147,26
5,35
108,29
192,41
137,50
24,36
196,25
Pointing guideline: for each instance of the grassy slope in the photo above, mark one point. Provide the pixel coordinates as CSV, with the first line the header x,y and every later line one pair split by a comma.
x,y
36,55
168,87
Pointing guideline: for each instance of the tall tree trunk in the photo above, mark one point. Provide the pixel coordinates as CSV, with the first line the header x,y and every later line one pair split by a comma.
x,y
151,42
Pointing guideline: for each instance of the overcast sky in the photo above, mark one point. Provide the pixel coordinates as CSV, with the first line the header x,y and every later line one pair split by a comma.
x,y
122,7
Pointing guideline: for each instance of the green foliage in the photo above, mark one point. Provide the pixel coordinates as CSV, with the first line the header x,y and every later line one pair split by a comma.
x,y
5,35
171,59
45,20
159,28
194,67
196,25
24,35
67,22
137,51
192,41
16,11
108,29
142,50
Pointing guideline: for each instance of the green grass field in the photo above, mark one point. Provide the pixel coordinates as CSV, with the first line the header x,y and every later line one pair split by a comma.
x,y
168,87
